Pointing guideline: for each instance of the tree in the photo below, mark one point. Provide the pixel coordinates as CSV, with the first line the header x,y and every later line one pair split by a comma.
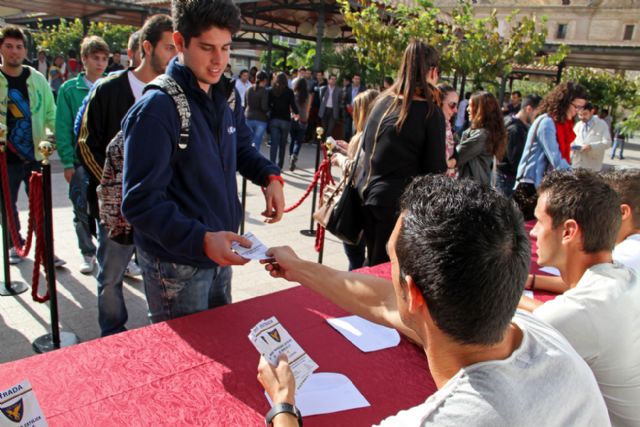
x,y
67,35
470,46
605,89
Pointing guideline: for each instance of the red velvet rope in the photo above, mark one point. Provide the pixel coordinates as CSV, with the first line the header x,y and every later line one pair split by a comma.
x,y
36,220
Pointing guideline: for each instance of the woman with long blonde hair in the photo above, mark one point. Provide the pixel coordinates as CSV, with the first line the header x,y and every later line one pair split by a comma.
x,y
345,158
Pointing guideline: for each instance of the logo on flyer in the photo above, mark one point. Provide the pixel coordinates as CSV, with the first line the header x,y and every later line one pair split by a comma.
x,y
14,411
275,335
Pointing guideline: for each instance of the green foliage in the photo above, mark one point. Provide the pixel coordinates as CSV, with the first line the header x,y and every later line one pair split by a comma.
x,y
605,89
59,39
527,87
469,45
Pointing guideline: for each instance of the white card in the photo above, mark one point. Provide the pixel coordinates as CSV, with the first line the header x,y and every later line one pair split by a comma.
x,y
365,335
325,393
19,407
527,293
271,339
551,270
257,251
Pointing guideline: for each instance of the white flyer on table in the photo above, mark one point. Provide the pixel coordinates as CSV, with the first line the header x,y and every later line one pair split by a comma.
x,y
19,407
365,335
325,393
271,339
551,270
257,251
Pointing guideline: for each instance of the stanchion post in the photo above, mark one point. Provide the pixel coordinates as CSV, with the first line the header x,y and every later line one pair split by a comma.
x,y
55,339
244,203
311,231
330,145
8,288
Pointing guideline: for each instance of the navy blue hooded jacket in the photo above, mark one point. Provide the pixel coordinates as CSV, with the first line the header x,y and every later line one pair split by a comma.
x,y
173,196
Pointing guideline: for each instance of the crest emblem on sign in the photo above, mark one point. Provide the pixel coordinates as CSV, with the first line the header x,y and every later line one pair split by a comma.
x,y
14,412
275,335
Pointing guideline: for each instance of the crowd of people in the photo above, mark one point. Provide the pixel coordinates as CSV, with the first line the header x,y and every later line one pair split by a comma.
x,y
445,187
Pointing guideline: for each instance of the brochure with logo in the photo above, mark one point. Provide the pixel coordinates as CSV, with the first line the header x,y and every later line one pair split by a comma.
x,y
271,339
20,408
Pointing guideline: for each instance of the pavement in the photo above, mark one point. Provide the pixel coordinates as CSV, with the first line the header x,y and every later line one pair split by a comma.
x,y
22,320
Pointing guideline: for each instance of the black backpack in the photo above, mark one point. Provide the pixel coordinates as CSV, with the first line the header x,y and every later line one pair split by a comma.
x,y
110,189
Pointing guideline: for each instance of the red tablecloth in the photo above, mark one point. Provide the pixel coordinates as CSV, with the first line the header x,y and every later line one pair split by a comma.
x,y
201,370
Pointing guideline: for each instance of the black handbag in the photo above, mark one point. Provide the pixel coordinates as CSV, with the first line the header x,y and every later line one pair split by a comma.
x,y
525,194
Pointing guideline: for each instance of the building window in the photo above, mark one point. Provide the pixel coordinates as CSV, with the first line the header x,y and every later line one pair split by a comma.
x,y
561,34
628,32
566,2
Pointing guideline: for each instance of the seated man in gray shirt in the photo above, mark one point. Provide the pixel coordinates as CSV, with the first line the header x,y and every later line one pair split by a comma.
x,y
460,256
579,216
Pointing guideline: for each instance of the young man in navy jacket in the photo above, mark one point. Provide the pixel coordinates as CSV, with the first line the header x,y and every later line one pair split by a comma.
x,y
183,202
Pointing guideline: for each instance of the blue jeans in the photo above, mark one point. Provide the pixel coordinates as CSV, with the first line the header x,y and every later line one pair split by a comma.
x,y
617,143
258,128
112,263
298,132
505,183
355,254
19,172
81,219
175,290
279,133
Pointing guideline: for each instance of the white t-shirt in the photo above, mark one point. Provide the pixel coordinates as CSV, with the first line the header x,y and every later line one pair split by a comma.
x,y
242,89
543,383
627,252
600,317
137,86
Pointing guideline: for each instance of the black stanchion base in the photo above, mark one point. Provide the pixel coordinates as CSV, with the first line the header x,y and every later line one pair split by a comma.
x,y
44,343
14,288
308,233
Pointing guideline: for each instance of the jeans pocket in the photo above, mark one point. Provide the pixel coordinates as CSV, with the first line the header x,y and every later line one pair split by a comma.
x,y
175,277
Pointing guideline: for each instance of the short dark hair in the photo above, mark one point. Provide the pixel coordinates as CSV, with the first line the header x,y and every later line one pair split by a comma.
x,y
590,106
582,195
517,92
332,75
626,182
466,248
71,53
532,101
605,110
303,68
357,74
193,17
12,32
389,80
134,41
243,71
153,29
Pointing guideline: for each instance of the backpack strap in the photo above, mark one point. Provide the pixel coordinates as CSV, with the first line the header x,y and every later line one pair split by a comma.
x,y
169,86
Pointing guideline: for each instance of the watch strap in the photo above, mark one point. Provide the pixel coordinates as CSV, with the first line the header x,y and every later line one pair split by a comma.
x,y
279,408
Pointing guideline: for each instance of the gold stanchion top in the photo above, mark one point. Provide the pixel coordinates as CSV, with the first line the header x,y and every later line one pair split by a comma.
x,y
319,132
46,148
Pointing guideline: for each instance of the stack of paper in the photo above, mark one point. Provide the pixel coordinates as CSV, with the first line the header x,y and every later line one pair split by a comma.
x,y
271,339
257,251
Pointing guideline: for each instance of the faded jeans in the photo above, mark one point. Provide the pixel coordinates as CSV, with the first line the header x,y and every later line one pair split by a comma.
x,y
113,259
176,290
258,128
279,135
18,173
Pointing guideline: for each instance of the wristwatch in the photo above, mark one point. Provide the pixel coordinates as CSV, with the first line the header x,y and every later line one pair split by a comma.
x,y
279,408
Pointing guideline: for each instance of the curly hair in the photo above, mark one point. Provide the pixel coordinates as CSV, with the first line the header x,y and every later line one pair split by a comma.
x,y
488,116
557,102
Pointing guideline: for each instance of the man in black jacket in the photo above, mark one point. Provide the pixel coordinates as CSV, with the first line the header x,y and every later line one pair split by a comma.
x,y
330,105
517,128
108,104
356,87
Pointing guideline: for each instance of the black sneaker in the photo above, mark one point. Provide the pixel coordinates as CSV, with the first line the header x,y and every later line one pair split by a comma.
x,y
14,258
292,162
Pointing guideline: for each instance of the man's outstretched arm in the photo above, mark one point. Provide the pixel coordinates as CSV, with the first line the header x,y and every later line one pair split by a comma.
x,y
366,296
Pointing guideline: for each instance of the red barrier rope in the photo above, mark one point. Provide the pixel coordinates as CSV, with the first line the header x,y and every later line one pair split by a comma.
x,y
36,221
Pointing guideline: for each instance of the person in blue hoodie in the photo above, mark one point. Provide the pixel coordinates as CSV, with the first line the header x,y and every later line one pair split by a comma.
x,y
183,202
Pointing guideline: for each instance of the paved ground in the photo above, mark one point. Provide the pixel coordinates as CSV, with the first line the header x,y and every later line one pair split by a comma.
x,y
22,320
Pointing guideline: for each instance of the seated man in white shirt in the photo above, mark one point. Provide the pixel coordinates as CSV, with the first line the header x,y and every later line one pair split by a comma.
x,y
625,182
459,256
592,139
578,219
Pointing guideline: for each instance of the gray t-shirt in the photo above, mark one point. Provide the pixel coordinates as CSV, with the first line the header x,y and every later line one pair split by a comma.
x,y
543,383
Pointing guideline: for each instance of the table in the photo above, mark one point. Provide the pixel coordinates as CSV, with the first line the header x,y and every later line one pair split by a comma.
x,y
201,369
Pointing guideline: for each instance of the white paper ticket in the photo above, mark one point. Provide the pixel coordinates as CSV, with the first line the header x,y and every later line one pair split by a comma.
x,y
257,251
271,339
